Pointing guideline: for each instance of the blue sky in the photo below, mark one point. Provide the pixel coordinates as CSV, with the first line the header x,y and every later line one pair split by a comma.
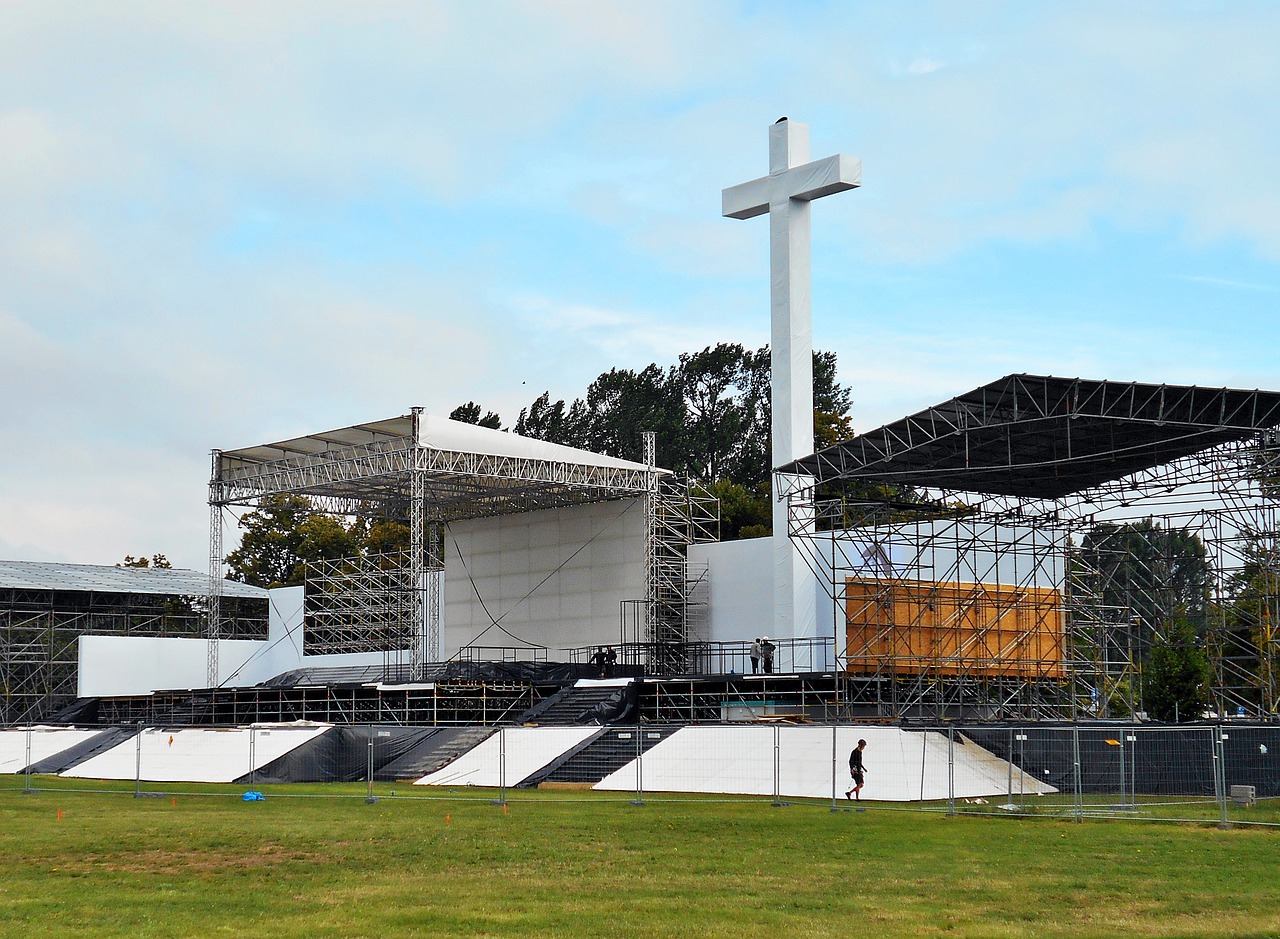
x,y
228,223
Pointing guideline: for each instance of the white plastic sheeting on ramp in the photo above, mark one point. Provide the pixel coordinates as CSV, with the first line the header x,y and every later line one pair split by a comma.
x,y
902,765
196,755
45,742
526,750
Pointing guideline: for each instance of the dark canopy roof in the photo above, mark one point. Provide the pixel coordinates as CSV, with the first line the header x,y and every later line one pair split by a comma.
x,y
1040,437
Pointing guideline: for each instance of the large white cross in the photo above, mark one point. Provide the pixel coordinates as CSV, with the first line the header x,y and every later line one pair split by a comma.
x,y
793,182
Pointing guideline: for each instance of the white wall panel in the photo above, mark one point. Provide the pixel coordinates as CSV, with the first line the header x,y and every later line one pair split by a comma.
x,y
554,578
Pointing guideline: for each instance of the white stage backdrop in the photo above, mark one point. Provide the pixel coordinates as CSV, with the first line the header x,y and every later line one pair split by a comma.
x,y
554,578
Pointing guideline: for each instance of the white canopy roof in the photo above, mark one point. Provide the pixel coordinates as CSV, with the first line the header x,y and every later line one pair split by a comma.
x,y
434,433
467,471
440,433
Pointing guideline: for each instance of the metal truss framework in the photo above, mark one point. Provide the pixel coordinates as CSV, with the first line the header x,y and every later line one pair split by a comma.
x,y
676,595
384,470
968,574
39,630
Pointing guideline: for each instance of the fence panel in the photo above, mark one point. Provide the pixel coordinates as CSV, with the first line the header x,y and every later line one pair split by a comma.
x,y
1226,773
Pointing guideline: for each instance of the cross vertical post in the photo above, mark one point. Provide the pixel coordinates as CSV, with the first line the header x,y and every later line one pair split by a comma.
x,y
793,182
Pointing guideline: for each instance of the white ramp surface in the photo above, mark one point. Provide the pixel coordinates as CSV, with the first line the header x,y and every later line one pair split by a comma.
x,y
197,755
45,742
526,750
902,766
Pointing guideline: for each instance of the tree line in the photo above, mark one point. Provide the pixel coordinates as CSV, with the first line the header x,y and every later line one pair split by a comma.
x,y
711,412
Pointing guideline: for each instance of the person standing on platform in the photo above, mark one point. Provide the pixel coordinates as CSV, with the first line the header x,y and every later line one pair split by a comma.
x,y
767,648
610,661
598,661
755,655
857,770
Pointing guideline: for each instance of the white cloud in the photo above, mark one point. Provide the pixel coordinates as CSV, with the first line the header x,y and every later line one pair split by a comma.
x,y
924,66
576,152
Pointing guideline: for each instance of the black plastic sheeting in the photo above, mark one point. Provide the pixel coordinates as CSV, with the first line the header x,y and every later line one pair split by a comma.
x,y
599,704
341,754
531,782
79,711
99,743
1161,760
601,754
436,751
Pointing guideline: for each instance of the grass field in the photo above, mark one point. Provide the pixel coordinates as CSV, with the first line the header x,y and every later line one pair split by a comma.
x,y
573,865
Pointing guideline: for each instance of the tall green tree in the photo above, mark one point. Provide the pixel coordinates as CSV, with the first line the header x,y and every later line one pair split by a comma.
x,y
469,413
744,512
710,381
1175,681
281,535
1251,615
622,403
552,421
712,413
1145,570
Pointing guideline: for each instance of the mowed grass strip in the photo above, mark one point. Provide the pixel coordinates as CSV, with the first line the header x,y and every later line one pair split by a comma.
x,y
574,865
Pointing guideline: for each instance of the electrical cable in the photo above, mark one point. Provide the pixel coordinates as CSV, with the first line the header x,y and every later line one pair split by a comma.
x,y
497,622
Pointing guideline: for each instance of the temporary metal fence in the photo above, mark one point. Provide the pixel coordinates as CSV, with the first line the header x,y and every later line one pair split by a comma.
x,y
1222,773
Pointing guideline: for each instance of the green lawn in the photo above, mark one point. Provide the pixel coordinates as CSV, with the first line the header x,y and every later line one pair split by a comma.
x,y
574,865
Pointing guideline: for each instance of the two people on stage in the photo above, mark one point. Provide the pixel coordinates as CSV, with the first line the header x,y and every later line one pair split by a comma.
x,y
762,652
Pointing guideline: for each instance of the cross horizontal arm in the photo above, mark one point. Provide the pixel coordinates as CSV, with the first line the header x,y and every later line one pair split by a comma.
x,y
823,177
804,183
746,200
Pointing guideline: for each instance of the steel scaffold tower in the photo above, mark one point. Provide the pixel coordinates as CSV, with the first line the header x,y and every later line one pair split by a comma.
x,y
1121,516
676,516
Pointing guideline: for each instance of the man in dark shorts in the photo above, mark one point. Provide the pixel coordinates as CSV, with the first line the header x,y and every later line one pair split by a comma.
x,y
857,770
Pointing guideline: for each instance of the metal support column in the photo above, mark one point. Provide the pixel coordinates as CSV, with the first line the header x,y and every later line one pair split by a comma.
x,y
417,556
215,567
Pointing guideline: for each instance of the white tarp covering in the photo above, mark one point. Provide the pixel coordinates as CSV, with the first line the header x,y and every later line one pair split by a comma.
x,y
553,578
45,742
197,755
440,433
525,749
902,766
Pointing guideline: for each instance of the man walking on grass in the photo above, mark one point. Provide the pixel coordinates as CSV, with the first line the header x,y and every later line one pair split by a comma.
x,y
857,770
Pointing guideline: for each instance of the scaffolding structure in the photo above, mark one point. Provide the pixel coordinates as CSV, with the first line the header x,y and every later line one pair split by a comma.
x,y
676,593
426,473
1022,549
45,608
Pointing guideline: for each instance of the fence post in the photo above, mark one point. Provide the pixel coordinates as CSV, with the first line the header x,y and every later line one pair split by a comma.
x,y
26,773
137,769
639,799
924,752
834,768
1008,805
253,755
1079,792
502,766
1220,757
1124,750
370,798
951,769
777,761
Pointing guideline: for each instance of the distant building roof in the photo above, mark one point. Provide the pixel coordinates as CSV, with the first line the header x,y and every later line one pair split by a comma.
x,y
46,575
